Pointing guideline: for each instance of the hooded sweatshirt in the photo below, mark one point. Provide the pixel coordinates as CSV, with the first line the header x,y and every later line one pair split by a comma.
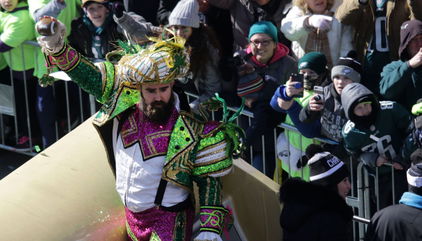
x,y
313,212
383,132
400,82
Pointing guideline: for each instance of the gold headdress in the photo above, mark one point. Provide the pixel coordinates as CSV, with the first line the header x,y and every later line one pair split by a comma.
x,y
161,62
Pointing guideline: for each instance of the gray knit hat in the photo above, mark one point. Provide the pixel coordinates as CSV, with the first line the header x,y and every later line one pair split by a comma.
x,y
348,67
186,13
414,175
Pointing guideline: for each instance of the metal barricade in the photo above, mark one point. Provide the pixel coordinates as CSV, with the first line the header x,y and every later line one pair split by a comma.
x,y
8,116
360,195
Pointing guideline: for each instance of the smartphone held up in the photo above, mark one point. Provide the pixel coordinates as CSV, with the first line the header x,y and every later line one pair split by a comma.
x,y
319,93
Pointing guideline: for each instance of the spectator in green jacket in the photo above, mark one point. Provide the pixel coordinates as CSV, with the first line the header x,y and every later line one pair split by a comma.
x,y
16,27
290,98
402,80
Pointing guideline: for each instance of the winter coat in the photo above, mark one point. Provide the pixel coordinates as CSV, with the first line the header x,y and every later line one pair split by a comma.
x,y
81,37
384,137
244,13
401,222
291,145
332,116
339,36
276,72
208,81
16,27
313,212
401,83
361,17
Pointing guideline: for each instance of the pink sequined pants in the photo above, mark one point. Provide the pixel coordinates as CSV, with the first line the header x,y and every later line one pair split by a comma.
x,y
167,225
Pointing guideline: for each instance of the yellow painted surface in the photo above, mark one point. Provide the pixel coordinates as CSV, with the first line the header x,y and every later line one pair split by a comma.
x,y
256,205
64,193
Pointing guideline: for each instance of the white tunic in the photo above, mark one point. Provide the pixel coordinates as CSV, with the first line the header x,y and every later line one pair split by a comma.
x,y
137,180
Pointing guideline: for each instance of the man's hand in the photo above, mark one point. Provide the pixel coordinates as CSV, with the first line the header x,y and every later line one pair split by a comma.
x,y
52,39
381,160
291,88
245,68
249,102
321,22
416,60
316,105
397,166
283,104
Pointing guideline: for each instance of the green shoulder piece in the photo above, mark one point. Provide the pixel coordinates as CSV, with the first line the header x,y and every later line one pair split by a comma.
x,y
120,100
211,157
183,140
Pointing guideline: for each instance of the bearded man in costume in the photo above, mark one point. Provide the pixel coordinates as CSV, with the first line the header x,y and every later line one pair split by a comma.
x,y
155,149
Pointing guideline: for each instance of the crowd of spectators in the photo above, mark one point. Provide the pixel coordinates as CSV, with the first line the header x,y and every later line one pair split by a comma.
x,y
345,70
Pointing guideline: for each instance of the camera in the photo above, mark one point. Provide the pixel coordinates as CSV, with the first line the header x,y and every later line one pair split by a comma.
x,y
238,60
417,131
319,91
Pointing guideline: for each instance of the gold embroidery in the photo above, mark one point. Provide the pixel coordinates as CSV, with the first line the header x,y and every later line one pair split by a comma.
x,y
220,146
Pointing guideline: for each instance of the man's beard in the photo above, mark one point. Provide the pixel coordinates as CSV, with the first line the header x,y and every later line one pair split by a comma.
x,y
158,111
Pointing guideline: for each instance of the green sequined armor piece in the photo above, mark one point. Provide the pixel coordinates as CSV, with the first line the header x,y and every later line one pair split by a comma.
x,y
83,72
178,166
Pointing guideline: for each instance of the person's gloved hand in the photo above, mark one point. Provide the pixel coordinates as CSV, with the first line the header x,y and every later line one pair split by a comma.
x,y
321,22
52,33
118,9
245,68
209,236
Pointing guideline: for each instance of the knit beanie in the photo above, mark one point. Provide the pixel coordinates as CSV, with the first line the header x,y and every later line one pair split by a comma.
x,y
264,27
326,169
408,30
348,67
85,2
414,175
186,13
249,85
315,61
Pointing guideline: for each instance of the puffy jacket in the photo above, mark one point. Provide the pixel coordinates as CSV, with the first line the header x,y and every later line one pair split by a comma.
x,y
313,212
339,36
